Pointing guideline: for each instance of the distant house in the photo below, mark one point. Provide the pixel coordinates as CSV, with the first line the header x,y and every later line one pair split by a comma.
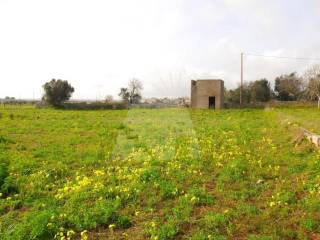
x,y
207,93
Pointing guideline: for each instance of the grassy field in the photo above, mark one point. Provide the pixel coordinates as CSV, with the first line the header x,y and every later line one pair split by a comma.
x,y
158,174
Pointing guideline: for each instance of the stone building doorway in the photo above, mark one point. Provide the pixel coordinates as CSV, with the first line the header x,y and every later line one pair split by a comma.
x,y
212,102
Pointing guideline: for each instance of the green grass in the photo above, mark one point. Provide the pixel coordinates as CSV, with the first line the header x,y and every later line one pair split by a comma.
x,y
304,117
158,174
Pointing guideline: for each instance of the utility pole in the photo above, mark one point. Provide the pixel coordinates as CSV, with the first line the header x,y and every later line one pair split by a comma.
x,y
241,79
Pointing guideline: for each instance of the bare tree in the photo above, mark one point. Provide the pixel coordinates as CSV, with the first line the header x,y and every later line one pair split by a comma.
x,y
135,87
312,82
109,99
132,94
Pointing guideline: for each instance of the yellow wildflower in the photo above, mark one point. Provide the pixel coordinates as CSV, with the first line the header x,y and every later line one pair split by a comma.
x,y
84,235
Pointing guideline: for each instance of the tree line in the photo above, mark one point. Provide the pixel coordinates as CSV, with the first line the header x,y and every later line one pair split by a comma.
x,y
56,92
288,87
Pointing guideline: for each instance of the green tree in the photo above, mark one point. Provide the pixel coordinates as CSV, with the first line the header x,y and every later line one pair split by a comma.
x,y
260,90
233,95
57,91
288,87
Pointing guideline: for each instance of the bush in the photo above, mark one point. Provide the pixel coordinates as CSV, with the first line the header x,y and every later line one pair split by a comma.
x,y
94,106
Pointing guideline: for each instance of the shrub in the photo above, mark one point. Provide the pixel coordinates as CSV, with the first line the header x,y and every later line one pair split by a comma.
x,y
94,106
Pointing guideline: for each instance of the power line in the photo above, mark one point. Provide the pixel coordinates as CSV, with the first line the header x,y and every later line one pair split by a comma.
x,y
283,57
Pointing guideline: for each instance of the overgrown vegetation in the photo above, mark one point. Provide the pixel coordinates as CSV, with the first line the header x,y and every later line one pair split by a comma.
x,y
287,87
94,105
158,174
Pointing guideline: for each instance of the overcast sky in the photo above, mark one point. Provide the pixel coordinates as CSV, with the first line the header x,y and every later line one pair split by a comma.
x,y
98,45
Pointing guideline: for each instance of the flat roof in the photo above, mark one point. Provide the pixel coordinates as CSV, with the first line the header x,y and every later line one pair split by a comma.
x,y
209,80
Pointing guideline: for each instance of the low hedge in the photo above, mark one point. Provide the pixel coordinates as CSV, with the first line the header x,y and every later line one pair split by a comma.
x,y
94,106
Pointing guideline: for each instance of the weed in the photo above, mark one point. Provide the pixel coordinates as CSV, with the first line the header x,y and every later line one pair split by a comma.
x,y
308,224
124,222
215,222
3,172
168,189
159,174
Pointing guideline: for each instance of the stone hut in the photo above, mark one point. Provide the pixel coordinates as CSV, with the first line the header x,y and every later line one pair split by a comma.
x,y
207,93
